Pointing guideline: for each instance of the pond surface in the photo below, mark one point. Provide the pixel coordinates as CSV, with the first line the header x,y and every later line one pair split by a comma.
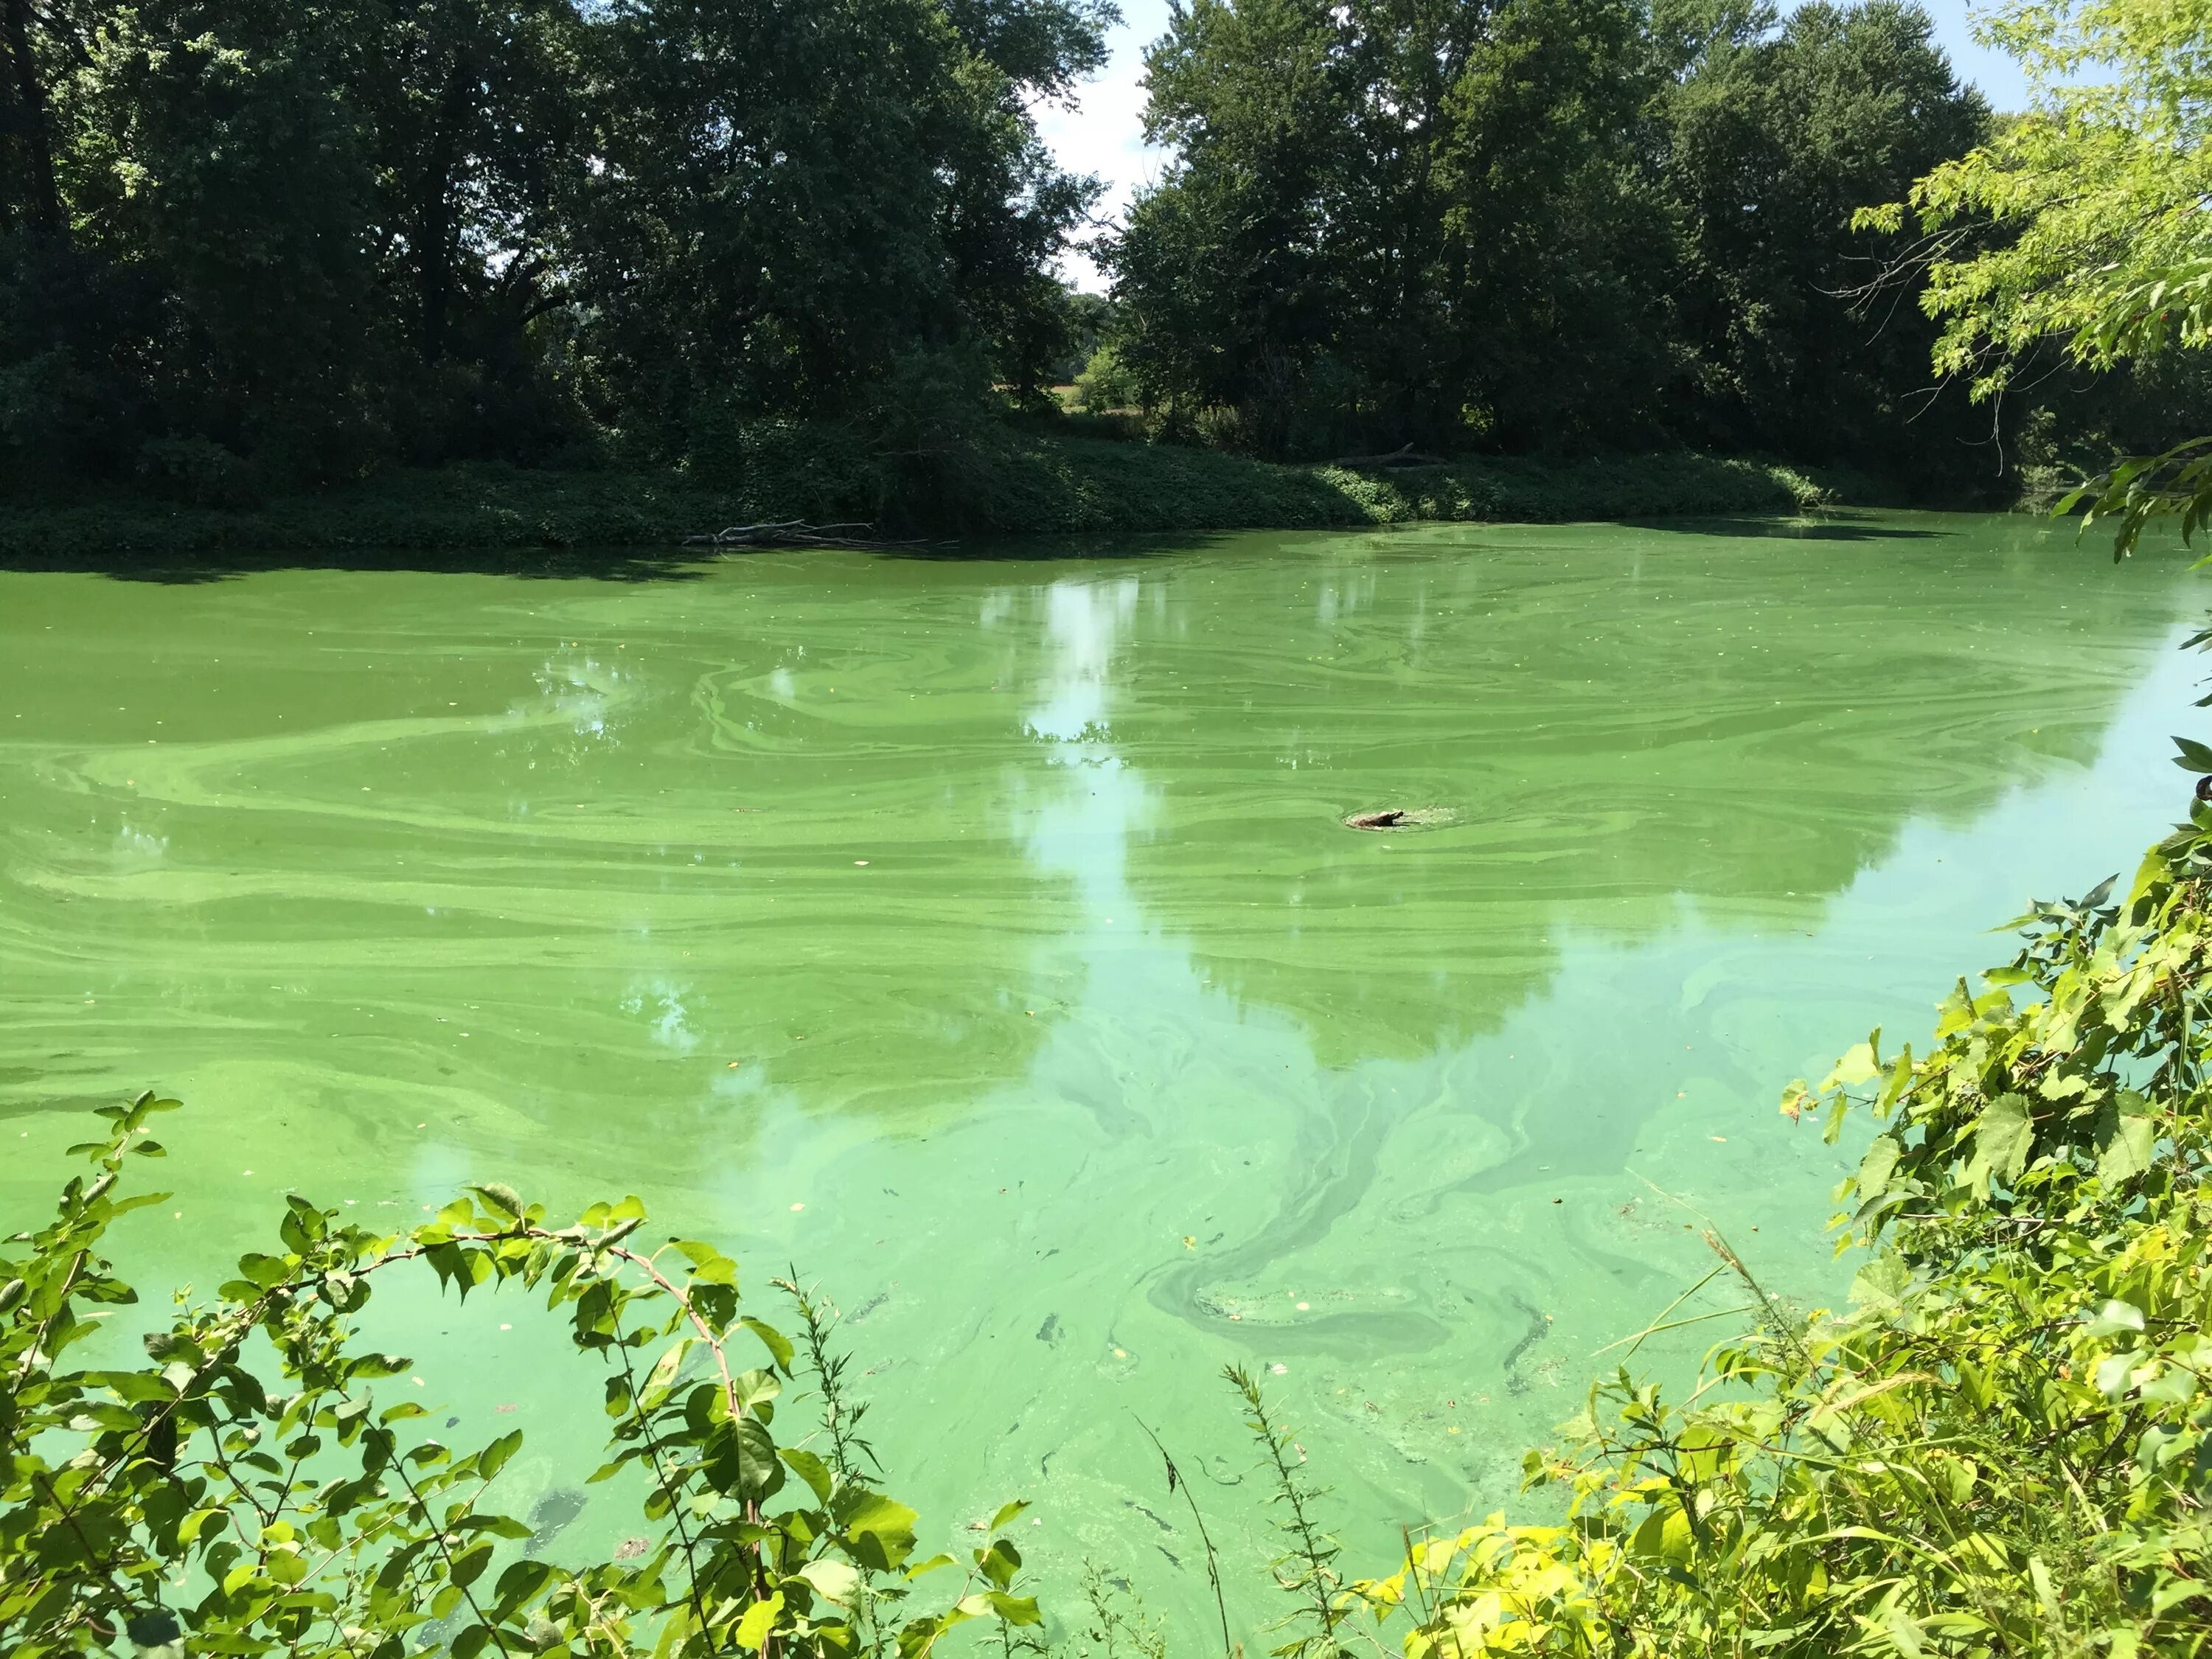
x,y
981,936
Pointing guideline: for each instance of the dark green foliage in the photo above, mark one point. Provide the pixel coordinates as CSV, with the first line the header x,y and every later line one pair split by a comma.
x,y
804,253
1548,226
1772,140
328,236
1022,484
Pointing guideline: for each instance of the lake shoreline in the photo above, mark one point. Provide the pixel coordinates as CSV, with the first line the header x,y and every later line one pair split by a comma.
x,y
1027,484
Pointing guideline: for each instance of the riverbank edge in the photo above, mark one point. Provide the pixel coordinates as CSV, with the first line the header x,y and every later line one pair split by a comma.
x,y
1031,486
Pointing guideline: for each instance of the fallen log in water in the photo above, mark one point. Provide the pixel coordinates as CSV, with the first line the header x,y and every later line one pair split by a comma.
x,y
797,532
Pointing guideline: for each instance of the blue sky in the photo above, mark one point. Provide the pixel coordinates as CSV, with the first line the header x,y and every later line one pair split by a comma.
x,y
1102,134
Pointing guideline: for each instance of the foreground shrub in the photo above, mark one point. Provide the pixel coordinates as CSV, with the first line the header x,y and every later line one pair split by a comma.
x,y
246,1490
2003,1448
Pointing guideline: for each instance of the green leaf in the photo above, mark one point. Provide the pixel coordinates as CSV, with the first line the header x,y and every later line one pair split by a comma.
x,y
199,1522
662,1377
708,1265
742,1461
760,1619
1838,1109
809,1469
1000,1563
502,1198
519,1583
754,1388
2194,756
493,1458
2112,1375
2115,1316
2004,1134
468,1566
264,1271
1858,1066
1879,1164
878,1531
776,1342
832,1579
2128,1140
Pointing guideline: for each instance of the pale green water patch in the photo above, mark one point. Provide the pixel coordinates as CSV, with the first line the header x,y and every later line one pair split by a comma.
x,y
984,936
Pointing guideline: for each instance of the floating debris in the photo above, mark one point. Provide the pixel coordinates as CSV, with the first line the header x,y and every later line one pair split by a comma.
x,y
870,1305
1402,817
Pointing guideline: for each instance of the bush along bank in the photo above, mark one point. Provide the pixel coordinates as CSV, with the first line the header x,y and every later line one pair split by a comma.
x,y
1008,482
2000,1450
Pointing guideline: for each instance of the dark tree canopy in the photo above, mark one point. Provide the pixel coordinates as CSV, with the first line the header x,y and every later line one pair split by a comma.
x,y
1546,225
255,244
301,237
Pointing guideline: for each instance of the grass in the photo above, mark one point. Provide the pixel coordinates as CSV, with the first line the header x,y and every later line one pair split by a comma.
x,y
1016,483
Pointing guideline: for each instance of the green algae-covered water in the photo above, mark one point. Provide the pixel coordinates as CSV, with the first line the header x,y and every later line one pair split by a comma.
x,y
981,936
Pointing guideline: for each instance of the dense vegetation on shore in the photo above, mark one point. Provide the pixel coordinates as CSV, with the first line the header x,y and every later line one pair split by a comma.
x,y
1022,485
753,252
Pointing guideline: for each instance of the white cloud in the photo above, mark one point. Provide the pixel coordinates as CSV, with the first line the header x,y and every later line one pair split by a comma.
x,y
1103,133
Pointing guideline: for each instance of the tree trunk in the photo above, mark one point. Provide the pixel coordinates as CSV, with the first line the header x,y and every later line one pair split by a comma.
x,y
437,228
39,204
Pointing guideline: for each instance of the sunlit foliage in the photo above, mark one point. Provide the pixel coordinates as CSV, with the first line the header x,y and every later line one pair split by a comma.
x,y
2004,1447
247,1486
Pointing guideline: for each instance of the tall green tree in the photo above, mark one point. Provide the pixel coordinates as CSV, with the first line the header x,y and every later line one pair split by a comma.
x,y
1532,224
1773,138
1556,291
793,199
2105,257
29,195
478,114
207,143
257,240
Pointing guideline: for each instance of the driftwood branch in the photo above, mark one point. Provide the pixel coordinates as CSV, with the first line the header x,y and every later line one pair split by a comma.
x,y
1407,456
797,532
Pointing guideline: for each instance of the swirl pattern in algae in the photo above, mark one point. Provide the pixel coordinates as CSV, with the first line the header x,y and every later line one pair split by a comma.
x,y
983,935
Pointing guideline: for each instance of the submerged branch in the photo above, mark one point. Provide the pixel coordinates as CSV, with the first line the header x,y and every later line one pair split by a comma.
x,y
797,532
